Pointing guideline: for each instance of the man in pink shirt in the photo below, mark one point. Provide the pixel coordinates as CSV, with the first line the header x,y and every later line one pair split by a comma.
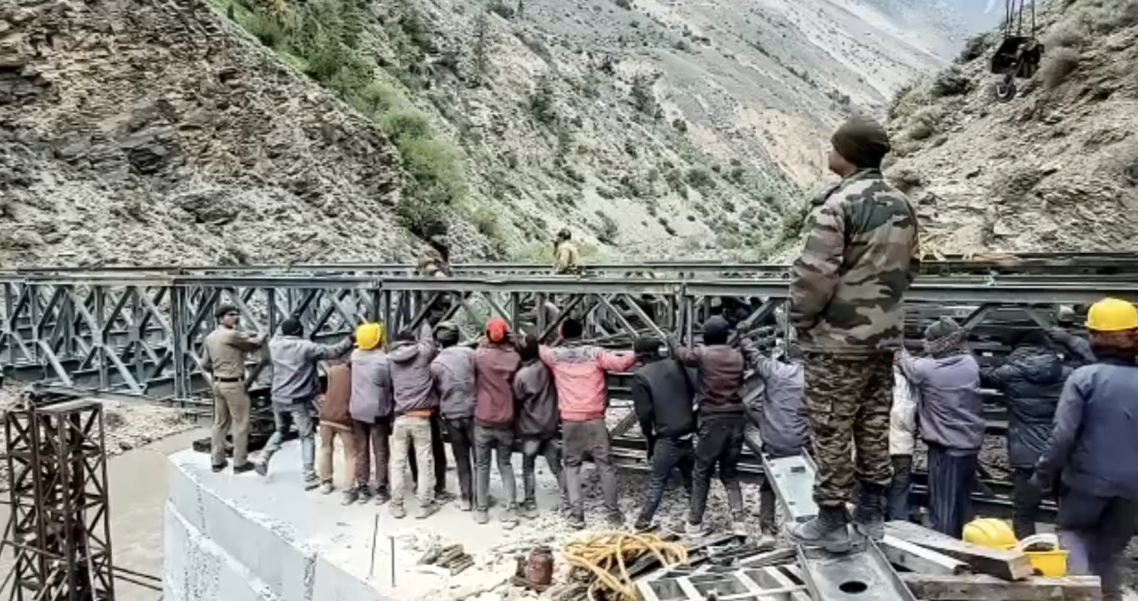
x,y
579,374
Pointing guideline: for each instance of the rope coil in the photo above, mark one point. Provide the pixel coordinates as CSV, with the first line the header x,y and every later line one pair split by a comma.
x,y
605,555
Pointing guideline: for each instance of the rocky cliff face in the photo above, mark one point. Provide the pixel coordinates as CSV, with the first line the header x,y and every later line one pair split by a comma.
x,y
191,131
1054,169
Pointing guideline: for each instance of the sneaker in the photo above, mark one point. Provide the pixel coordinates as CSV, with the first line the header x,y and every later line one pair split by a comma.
x,y
827,530
220,466
465,505
481,517
691,529
381,497
311,484
642,525
241,469
426,511
443,496
363,494
529,509
326,488
615,520
262,468
766,542
576,522
351,496
397,511
509,518
739,527
869,514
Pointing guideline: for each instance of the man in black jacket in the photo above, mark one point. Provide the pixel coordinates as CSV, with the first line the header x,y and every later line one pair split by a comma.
x,y
663,392
1031,380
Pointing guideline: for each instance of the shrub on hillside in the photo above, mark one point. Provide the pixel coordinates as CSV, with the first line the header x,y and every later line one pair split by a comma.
x,y
405,125
625,4
608,230
435,166
699,179
267,29
950,82
1057,66
499,8
541,104
975,47
925,122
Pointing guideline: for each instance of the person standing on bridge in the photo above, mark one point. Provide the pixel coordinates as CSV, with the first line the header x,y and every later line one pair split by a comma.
x,y
721,419
223,357
496,363
294,390
950,419
454,374
662,395
1091,458
579,375
566,259
846,291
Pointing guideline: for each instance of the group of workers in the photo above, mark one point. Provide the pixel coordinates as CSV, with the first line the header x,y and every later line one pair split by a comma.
x,y
844,386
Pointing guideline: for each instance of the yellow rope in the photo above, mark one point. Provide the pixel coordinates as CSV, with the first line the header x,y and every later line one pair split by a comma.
x,y
605,553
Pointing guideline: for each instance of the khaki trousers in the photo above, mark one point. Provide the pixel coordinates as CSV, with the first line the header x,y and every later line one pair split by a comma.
x,y
328,436
230,411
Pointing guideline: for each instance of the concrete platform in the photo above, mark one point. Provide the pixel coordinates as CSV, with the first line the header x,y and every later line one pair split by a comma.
x,y
247,538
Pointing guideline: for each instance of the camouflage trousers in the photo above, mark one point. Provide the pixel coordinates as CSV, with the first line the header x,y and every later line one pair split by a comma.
x,y
847,403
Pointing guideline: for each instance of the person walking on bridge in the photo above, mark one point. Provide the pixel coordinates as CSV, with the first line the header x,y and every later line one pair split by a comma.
x,y
223,357
1091,458
579,374
846,291
294,391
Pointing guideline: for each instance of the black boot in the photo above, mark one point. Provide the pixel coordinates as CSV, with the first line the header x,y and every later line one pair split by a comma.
x,y
828,530
869,513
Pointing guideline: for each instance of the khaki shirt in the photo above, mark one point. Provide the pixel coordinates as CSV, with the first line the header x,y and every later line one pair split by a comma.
x,y
565,258
225,349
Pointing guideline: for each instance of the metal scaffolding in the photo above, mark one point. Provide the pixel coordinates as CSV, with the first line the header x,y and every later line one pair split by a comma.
x,y
59,531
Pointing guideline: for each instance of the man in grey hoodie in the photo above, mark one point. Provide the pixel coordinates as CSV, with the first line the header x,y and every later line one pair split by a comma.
x,y
415,400
294,392
783,423
951,421
453,372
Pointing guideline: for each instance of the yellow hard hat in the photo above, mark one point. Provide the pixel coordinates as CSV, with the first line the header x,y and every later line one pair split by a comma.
x,y
1112,315
990,532
370,335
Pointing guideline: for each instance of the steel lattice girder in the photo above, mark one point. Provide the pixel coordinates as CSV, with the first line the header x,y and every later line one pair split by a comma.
x,y
59,531
141,335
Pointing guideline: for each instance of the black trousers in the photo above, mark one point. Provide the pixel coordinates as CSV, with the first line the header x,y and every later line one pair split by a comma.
x,y
667,455
952,475
460,433
719,445
438,449
1026,498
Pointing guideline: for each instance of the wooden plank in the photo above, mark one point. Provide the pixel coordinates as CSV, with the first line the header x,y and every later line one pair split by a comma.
x,y
916,558
1008,565
979,587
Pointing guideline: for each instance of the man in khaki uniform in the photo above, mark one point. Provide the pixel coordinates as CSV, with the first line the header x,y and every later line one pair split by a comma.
x,y
224,360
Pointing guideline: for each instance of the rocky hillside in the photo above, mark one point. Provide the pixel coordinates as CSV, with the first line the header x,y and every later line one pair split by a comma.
x,y
240,131
1055,168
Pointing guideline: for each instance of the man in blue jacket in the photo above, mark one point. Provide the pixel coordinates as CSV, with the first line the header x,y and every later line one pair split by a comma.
x,y
1091,458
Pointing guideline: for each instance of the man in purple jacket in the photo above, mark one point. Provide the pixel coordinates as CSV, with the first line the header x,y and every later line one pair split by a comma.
x,y
454,375
415,400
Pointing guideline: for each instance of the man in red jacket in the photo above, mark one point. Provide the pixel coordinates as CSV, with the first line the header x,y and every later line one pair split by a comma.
x,y
579,373
495,362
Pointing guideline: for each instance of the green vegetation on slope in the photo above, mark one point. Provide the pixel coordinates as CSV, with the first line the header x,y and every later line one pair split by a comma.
x,y
322,39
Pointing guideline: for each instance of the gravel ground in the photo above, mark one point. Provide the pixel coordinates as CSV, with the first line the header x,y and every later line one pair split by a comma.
x,y
126,425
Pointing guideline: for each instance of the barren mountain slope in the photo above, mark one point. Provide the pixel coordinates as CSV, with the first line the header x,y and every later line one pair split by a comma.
x,y
1055,168
149,132
158,132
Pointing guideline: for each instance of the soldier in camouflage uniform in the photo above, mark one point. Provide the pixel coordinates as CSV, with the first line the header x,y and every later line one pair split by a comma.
x,y
846,291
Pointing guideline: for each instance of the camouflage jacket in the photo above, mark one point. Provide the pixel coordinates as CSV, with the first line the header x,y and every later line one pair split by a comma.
x,y
860,257
431,263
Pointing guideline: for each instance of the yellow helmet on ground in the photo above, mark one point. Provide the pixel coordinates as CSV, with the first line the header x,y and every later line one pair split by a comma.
x,y
370,336
990,532
1112,315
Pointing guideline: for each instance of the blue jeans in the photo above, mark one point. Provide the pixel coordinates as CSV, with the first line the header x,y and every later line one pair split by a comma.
x,y
897,507
298,413
667,455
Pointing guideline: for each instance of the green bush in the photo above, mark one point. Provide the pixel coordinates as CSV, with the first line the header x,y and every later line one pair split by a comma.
x,y
435,166
975,47
499,8
377,98
268,30
541,104
403,126
625,4
950,82
700,179
608,230
485,220
643,98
